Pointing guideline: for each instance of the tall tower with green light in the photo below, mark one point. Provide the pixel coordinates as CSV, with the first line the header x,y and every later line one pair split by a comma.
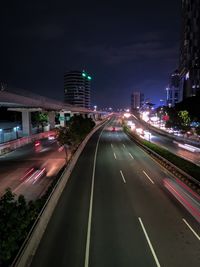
x,y
77,88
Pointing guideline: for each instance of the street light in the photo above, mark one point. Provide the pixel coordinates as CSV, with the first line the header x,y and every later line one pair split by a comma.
x,y
16,130
1,135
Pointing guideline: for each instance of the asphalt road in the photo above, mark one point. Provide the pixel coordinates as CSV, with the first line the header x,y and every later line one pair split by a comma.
x,y
167,143
116,211
14,165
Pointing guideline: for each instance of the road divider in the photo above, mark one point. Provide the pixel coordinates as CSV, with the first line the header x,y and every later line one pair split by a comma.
x,y
148,177
149,243
124,180
87,250
197,236
131,155
180,168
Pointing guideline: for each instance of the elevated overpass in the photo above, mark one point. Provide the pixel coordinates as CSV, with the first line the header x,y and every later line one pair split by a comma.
x,y
26,103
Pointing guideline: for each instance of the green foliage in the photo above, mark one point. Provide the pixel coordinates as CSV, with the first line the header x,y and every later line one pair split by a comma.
x,y
39,118
15,221
198,130
174,120
191,104
184,115
76,130
64,136
16,215
181,163
80,127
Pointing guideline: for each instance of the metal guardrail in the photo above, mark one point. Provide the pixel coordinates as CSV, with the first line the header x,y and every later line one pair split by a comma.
x,y
14,144
166,161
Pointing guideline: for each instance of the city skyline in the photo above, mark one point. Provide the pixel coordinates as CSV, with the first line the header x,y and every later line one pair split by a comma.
x,y
124,47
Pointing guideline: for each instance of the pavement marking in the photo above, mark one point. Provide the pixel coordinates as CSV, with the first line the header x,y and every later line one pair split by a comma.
x,y
87,250
112,145
131,155
124,146
115,155
122,176
197,236
148,177
149,242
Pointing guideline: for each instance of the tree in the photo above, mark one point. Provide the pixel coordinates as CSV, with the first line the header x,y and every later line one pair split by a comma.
x,y
190,104
40,119
80,127
65,139
184,115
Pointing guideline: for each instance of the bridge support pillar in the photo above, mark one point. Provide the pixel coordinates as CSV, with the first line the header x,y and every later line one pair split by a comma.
x,y
97,116
26,122
62,119
51,118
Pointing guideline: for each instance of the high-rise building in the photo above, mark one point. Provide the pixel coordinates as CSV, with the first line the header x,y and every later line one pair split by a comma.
x,y
173,91
137,99
77,88
189,62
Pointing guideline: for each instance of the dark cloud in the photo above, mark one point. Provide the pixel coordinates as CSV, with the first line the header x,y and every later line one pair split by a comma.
x,y
149,50
123,45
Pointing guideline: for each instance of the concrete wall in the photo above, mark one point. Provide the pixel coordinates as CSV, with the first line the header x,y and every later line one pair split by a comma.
x,y
14,144
31,243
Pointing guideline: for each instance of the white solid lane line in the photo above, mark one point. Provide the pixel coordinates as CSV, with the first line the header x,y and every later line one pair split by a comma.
x,y
87,250
131,155
149,243
148,177
197,236
112,145
122,176
124,146
114,155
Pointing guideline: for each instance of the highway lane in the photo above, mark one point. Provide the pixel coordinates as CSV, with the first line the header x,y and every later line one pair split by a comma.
x,y
167,143
131,219
14,166
162,215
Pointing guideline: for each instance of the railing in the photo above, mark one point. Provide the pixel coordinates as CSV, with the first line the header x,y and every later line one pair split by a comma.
x,y
178,170
14,144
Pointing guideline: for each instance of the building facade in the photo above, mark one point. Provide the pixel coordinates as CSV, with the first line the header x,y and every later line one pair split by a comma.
x,y
189,62
137,99
77,88
174,94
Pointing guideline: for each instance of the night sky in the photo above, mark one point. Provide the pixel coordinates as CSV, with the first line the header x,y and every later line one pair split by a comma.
x,y
124,45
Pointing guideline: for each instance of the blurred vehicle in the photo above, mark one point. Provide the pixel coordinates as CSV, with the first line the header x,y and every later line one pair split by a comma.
x,y
37,143
188,198
28,173
33,174
51,137
188,147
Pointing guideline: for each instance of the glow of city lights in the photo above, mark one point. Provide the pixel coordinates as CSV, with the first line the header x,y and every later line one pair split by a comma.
x,y
139,130
145,116
132,127
127,115
129,123
154,118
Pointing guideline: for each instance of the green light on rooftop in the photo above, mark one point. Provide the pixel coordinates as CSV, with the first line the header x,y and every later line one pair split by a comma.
x,y
83,74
